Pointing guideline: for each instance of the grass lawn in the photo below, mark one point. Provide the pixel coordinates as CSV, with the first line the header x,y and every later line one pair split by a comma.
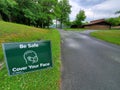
x,y
75,29
112,36
48,79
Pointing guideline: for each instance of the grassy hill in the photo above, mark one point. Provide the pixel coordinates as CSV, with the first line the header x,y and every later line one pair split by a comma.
x,y
48,79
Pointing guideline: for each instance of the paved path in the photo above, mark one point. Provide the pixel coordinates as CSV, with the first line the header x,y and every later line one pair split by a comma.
x,y
88,63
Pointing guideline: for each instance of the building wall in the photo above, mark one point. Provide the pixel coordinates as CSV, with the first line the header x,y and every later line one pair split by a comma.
x,y
102,27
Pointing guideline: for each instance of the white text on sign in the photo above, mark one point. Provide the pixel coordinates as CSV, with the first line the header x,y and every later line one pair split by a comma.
x,y
33,45
30,67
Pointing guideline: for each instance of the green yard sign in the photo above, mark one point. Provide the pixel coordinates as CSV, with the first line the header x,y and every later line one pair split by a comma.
x,y
27,56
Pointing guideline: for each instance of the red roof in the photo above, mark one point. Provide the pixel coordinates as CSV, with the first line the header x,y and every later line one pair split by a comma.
x,y
97,22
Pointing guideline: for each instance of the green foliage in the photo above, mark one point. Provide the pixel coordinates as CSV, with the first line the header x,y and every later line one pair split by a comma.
x,y
114,21
39,13
117,12
80,17
47,11
65,10
6,9
48,79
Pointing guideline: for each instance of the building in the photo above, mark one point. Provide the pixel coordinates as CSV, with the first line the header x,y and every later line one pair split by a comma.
x,y
98,24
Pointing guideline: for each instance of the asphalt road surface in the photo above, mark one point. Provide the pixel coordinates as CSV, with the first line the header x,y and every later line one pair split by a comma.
x,y
89,63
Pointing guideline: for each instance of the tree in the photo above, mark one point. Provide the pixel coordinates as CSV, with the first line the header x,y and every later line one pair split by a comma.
x,y
117,12
114,21
65,10
39,13
57,12
26,12
7,8
80,17
47,12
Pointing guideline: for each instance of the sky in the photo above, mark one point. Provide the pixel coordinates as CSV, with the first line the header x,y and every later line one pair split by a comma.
x,y
94,9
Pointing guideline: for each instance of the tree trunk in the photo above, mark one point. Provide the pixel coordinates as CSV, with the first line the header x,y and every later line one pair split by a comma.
x,y
9,17
61,24
56,22
48,26
0,16
42,25
48,22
